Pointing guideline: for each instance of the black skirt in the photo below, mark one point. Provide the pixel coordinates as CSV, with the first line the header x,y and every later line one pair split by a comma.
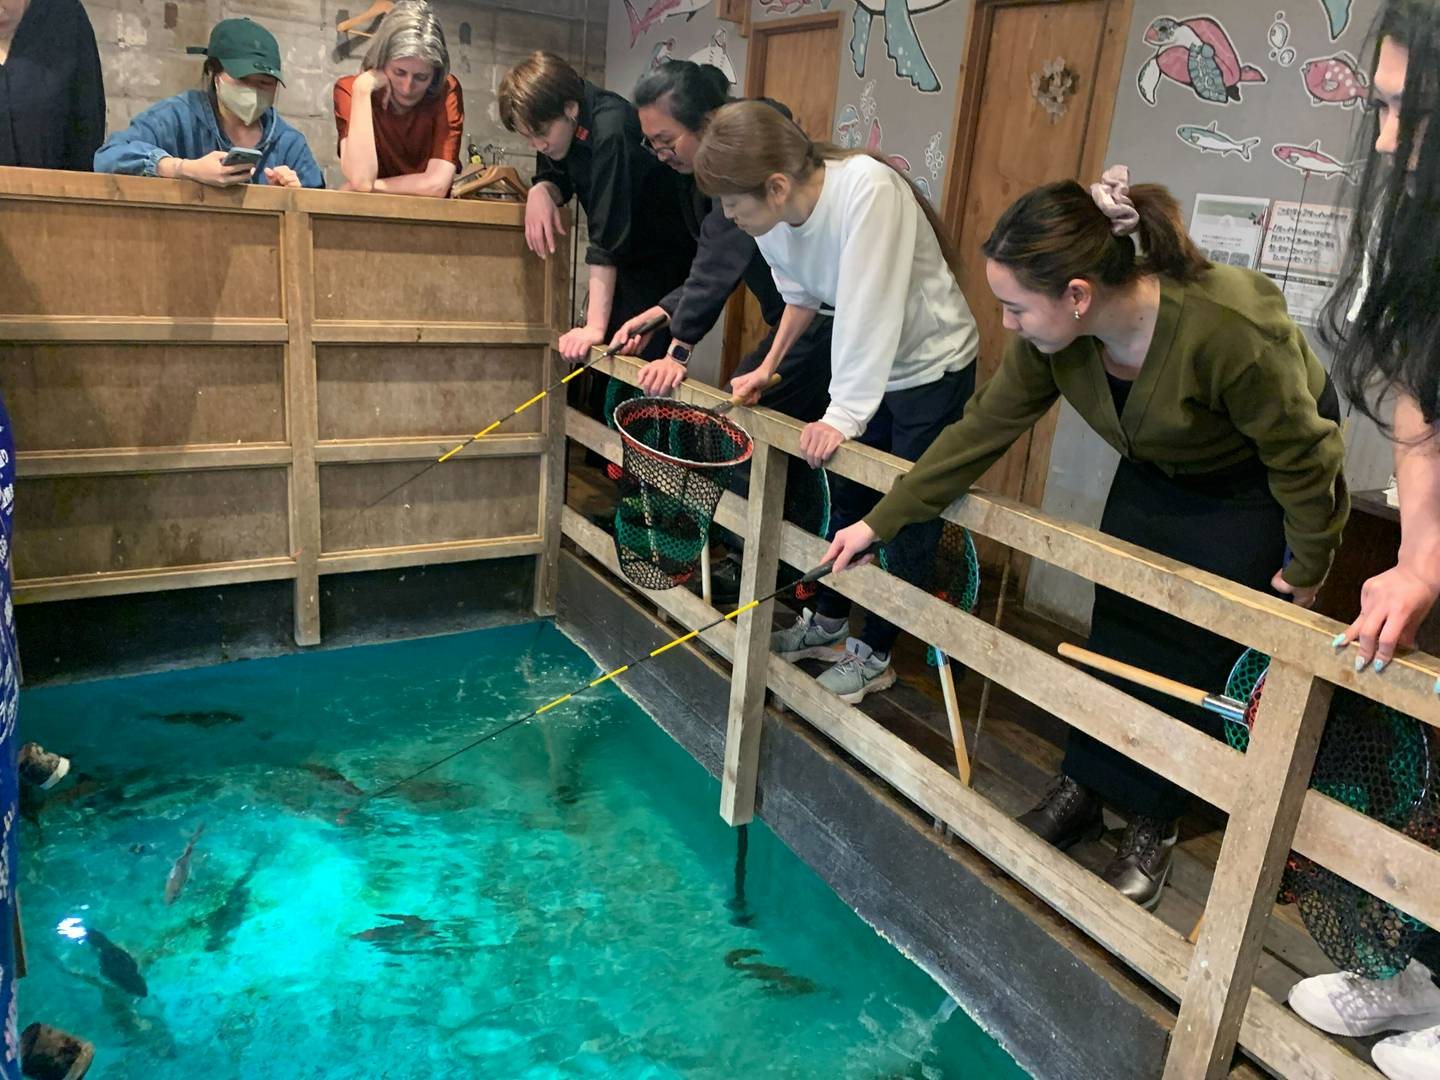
x,y
1226,522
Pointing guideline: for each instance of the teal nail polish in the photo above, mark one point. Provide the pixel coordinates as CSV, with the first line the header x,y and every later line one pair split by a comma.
x,y
1339,642
1359,663
1437,686
1379,666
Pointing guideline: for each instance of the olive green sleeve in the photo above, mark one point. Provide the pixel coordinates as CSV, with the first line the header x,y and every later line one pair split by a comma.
x,y
1273,402
1002,410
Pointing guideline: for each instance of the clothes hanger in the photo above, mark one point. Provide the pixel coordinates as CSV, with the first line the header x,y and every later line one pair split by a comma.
x,y
376,10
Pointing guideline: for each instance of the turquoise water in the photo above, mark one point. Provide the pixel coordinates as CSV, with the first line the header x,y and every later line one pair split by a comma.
x,y
568,887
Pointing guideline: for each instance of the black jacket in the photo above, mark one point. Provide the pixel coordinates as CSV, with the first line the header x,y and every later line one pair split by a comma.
x,y
631,200
52,96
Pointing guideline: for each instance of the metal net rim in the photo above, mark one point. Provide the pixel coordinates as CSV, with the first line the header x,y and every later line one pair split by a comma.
x,y
735,431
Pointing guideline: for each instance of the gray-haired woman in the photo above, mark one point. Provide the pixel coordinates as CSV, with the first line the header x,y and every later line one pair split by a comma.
x,y
401,119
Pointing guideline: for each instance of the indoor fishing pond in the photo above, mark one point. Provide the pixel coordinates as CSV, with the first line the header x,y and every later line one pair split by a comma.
x,y
561,901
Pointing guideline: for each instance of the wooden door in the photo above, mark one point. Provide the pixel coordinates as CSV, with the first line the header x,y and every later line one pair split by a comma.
x,y
1006,143
794,61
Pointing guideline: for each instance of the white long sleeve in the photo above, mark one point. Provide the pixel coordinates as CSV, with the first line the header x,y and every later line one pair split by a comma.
x,y
868,250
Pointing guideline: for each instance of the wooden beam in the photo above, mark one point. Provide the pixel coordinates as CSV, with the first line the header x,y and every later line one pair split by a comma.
x,y
768,467
142,329
338,332
78,586
1268,623
302,423
35,464
552,492
450,551
360,451
1262,823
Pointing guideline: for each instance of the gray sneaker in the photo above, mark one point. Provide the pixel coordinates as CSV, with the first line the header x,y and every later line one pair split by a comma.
x,y
807,640
858,672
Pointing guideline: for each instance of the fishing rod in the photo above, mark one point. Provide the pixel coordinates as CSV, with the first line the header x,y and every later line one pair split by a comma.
x,y
812,576
614,350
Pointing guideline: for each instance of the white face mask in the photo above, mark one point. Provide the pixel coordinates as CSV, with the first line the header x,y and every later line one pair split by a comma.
x,y
244,101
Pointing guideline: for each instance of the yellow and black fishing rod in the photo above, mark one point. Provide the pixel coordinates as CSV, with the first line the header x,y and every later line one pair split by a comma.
x,y
614,350
814,575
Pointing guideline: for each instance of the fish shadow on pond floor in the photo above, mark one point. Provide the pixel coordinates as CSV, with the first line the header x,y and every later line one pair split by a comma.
x,y
233,910
203,719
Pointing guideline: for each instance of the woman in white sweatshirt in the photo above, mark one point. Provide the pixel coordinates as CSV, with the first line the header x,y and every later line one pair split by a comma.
x,y
842,229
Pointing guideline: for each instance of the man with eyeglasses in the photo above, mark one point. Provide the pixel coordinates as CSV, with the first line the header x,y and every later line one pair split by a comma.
x,y
589,145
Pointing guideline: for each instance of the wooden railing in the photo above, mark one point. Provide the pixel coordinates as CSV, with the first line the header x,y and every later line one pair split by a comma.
x,y
1264,791
211,386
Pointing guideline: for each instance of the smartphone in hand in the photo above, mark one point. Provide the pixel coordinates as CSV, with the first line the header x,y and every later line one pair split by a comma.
x,y
243,155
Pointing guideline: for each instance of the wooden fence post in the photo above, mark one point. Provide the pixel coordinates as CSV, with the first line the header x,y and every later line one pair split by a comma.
x,y
1258,835
302,424
752,646
552,490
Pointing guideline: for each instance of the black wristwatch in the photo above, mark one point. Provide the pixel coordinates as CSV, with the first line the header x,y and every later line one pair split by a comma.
x,y
679,353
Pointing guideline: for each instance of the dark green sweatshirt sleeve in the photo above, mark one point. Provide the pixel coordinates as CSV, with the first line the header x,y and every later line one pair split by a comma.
x,y
1272,401
1002,410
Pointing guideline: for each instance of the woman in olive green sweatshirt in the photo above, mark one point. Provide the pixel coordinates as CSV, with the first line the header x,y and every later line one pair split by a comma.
x,y
1196,374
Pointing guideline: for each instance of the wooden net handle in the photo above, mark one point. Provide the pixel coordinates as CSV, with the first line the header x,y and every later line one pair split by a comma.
x,y
1134,674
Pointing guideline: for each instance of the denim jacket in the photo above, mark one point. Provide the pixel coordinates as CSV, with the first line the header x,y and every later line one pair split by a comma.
x,y
185,126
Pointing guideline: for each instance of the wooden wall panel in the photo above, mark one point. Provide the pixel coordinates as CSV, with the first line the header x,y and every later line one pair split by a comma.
x,y
95,524
464,499
96,396
66,258
420,272
391,391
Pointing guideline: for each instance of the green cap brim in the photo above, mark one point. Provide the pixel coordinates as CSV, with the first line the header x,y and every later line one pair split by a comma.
x,y
246,66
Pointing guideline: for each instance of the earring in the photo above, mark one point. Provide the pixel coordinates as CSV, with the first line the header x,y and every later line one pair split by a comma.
x,y
1077,314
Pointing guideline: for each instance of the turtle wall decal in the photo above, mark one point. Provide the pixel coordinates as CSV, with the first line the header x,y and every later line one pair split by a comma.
x,y
1196,52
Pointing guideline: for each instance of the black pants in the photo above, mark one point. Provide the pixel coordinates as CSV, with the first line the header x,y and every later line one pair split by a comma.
x,y
907,422
1226,522
804,388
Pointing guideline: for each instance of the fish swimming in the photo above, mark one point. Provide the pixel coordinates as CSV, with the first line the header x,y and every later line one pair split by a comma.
x,y
1210,140
180,871
213,718
332,776
402,928
777,980
117,965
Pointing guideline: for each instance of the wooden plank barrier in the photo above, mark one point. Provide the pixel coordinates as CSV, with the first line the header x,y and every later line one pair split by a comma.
x,y
211,386
1264,792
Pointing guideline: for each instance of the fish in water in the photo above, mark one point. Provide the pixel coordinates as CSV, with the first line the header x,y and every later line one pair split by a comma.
x,y
777,980
117,965
332,776
232,911
210,718
401,929
180,871
1210,140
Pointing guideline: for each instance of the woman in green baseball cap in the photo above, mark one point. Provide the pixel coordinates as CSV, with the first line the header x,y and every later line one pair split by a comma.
x,y
231,116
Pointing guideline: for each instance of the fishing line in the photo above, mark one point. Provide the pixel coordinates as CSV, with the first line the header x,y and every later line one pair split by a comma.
x,y
814,575
645,328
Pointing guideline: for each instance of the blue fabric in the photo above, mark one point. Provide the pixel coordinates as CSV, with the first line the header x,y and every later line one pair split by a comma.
x,y
185,126
9,770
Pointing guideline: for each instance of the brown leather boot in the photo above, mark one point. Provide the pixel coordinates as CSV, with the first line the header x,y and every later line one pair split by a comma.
x,y
1142,862
47,1053
1066,815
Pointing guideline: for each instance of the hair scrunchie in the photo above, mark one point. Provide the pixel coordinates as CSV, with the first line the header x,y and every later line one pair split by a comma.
x,y
1112,196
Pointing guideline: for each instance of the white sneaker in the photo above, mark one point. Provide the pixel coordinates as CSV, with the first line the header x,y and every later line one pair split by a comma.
x,y
1346,1004
1412,1056
859,672
806,639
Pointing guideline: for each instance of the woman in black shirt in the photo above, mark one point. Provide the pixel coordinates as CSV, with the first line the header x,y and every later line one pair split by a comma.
x,y
52,96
